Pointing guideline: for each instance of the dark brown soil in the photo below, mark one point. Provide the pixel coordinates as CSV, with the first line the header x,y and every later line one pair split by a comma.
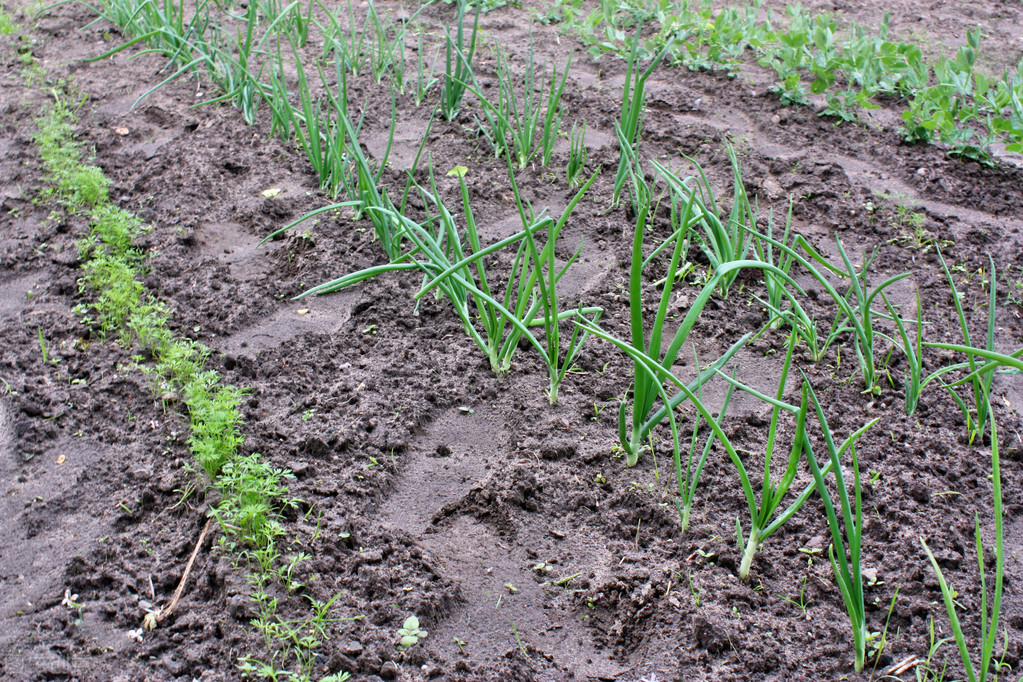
x,y
431,485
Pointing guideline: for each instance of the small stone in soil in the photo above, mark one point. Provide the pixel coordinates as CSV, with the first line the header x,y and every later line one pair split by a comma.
x,y
432,670
389,670
240,608
299,469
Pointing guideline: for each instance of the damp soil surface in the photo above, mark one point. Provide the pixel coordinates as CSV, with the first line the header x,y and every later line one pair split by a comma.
x,y
430,487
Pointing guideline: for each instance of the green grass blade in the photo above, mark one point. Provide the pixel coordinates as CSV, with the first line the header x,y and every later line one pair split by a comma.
x,y
957,628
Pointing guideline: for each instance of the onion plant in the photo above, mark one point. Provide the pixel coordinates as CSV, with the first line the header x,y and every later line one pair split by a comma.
x,y
989,611
515,117
231,74
547,276
847,534
277,97
689,478
794,315
914,382
765,518
657,375
228,65
365,187
319,135
371,197
163,30
458,63
546,286
980,375
644,393
330,140
723,240
981,384
425,75
530,295
454,266
162,26
777,292
856,314
577,154
762,516
388,47
859,318
300,24
348,43
631,121
291,19
979,378
382,45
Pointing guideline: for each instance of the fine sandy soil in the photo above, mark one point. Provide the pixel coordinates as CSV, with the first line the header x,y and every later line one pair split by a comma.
x,y
431,485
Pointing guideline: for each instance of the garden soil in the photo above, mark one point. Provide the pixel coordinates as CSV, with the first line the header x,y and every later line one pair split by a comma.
x,y
429,487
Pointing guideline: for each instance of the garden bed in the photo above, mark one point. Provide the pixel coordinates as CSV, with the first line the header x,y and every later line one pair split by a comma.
x,y
429,487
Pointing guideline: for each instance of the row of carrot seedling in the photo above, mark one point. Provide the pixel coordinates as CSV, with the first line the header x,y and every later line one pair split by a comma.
x,y
497,315
245,493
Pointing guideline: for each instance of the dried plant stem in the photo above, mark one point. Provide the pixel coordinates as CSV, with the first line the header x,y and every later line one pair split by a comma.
x,y
184,577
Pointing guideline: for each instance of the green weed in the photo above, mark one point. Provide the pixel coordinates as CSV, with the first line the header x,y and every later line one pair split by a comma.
x,y
7,24
410,633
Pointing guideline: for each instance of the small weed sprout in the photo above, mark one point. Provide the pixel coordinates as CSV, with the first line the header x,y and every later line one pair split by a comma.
x,y
42,348
7,24
518,640
908,223
70,600
799,602
410,633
